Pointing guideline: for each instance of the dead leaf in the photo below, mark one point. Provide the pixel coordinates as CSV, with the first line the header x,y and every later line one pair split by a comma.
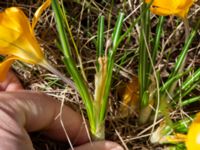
x,y
130,98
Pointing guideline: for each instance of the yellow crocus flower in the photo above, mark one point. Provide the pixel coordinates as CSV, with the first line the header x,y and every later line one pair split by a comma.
x,y
193,136
191,139
17,39
178,8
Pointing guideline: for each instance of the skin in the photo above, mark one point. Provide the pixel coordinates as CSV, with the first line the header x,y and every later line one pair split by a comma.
x,y
25,111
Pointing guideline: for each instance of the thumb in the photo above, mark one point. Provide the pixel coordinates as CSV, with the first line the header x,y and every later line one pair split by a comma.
x,y
99,145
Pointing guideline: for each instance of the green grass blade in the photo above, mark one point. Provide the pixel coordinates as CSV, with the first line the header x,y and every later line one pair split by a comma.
x,y
179,65
112,51
72,40
190,100
181,94
156,43
100,39
70,64
184,52
116,35
61,30
191,80
182,125
169,82
143,54
129,30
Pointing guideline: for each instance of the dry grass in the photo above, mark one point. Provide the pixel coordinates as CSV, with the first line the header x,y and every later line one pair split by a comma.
x,y
83,22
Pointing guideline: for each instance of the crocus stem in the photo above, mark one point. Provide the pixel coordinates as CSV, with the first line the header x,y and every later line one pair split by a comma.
x,y
49,67
187,28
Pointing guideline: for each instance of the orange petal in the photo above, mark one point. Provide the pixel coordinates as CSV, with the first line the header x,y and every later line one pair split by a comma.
x,y
4,67
39,12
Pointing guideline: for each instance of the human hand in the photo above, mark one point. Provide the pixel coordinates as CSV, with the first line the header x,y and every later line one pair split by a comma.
x,y
11,83
26,111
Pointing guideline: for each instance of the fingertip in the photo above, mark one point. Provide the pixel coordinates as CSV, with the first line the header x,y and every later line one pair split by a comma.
x,y
11,83
100,145
14,87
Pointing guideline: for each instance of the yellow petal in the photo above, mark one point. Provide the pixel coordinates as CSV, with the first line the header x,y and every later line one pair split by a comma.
x,y
4,67
183,8
39,12
7,36
163,7
22,44
24,50
14,18
11,21
161,11
193,137
179,8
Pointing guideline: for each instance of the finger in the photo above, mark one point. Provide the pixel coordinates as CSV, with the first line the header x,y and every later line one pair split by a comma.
x,y
11,83
36,111
100,145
